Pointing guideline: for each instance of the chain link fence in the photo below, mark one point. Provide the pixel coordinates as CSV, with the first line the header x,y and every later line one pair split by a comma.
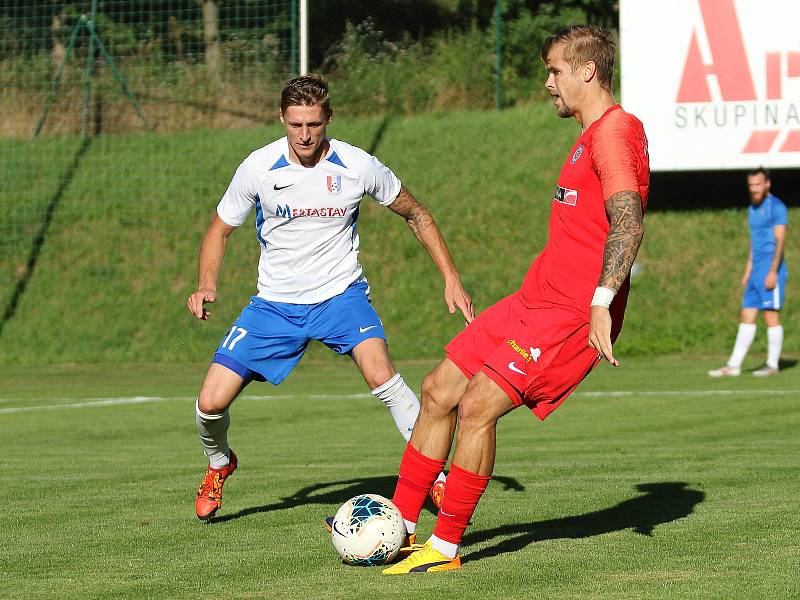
x,y
112,66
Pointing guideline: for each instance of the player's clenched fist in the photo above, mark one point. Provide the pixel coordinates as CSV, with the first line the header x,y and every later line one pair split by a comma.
x,y
196,303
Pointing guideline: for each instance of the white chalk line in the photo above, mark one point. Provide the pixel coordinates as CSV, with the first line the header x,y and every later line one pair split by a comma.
x,y
96,402
99,402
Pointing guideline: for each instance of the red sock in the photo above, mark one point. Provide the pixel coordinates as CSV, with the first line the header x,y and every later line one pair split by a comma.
x,y
417,474
463,490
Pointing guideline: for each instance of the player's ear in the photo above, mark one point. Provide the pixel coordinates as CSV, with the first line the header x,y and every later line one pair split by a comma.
x,y
589,70
330,115
280,114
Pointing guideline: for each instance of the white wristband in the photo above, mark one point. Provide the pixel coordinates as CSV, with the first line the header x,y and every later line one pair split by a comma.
x,y
603,297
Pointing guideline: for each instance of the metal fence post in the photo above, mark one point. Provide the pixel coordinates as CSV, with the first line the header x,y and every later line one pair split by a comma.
x,y
498,52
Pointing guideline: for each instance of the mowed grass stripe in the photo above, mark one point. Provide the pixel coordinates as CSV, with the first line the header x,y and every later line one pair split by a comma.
x,y
72,403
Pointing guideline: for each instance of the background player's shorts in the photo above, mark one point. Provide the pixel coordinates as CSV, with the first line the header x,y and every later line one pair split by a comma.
x,y
537,356
269,338
757,296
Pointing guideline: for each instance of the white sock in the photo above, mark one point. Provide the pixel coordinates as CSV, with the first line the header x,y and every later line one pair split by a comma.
x,y
745,337
402,403
450,550
774,343
213,432
410,527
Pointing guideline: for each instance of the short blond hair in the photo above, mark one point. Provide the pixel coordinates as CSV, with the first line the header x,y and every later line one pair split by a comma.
x,y
306,90
583,43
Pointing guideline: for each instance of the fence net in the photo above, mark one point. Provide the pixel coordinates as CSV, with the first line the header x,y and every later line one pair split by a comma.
x,y
117,66
142,74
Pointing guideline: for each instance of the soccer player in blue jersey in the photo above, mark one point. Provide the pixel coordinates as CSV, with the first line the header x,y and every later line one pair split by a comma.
x,y
764,279
306,189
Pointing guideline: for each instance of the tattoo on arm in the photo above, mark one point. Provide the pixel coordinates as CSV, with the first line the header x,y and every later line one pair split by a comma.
x,y
416,215
625,234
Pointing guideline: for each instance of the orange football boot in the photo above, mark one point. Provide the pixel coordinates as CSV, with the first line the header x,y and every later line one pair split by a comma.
x,y
209,496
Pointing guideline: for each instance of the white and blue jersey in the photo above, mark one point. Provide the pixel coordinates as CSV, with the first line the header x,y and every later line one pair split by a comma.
x,y
310,283
306,217
762,220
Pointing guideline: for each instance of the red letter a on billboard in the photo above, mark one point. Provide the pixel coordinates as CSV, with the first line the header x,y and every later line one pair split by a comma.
x,y
729,60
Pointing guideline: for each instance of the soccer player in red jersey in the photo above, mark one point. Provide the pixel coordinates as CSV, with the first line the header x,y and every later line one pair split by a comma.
x,y
535,346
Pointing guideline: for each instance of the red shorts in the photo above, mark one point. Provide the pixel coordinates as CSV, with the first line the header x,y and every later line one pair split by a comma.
x,y
538,356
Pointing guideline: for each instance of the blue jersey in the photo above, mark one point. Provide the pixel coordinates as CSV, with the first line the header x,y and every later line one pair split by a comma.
x,y
762,220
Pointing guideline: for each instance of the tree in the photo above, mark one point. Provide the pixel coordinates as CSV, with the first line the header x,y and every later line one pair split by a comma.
x,y
213,51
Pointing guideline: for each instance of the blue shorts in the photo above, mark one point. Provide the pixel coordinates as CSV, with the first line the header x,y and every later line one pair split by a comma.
x,y
757,296
269,338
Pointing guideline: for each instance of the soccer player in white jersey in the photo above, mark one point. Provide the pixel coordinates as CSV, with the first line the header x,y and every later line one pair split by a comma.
x,y
306,189
764,279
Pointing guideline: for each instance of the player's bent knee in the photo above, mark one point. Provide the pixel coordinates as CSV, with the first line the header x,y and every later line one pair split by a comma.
x,y
378,377
213,400
437,398
473,414
211,405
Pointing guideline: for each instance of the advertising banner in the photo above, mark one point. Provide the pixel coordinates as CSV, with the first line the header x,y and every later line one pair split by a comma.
x,y
715,82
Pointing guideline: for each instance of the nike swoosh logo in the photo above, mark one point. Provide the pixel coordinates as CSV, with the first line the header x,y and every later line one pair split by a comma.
x,y
445,514
276,187
363,329
515,369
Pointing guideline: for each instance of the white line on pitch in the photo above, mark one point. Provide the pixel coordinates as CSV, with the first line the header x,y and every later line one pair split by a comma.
x,y
688,393
146,399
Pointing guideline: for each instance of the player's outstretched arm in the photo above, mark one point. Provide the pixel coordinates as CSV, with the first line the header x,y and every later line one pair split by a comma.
x,y
625,233
421,222
212,251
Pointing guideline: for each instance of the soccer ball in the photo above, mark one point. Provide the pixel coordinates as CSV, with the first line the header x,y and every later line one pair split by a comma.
x,y
368,530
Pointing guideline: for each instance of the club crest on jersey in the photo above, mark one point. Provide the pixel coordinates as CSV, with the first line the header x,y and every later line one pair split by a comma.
x,y
334,184
577,154
566,196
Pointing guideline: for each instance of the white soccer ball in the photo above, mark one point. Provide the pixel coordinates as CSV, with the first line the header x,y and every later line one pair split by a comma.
x,y
368,530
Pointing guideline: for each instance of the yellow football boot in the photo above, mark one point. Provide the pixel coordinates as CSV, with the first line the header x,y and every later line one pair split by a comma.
x,y
424,558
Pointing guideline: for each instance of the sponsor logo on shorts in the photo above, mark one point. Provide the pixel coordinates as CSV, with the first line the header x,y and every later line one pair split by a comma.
x,y
514,368
529,354
287,212
566,196
363,329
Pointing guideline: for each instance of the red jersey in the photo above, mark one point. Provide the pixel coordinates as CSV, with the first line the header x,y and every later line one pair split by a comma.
x,y
609,157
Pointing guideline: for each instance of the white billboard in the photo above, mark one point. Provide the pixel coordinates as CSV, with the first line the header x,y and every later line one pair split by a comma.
x,y
715,82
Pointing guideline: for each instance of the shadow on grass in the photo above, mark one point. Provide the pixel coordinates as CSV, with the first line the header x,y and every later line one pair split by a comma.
x,y
41,236
338,492
661,503
783,364
379,133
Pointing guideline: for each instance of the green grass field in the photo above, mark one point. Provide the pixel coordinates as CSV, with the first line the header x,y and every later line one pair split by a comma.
x,y
652,481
